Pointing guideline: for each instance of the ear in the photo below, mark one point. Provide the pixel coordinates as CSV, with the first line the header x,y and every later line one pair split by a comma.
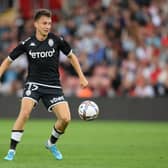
x,y
35,24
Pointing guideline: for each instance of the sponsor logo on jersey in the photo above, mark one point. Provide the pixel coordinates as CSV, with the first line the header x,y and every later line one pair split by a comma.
x,y
51,42
42,54
57,99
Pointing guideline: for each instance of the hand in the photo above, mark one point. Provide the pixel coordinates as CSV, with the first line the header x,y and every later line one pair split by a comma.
x,y
83,82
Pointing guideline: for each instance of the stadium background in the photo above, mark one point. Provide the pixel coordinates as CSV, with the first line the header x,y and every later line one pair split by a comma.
x,y
122,46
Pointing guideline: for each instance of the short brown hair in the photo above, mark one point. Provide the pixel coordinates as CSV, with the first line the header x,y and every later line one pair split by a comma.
x,y
42,12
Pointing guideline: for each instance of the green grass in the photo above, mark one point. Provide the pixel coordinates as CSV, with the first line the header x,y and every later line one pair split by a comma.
x,y
95,144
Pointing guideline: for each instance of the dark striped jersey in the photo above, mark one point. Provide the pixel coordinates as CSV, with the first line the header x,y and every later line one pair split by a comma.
x,y
43,58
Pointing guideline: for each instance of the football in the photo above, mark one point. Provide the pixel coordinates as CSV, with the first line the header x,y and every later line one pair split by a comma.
x,y
88,110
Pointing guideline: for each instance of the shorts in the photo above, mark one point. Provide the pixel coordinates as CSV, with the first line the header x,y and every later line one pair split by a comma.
x,y
50,95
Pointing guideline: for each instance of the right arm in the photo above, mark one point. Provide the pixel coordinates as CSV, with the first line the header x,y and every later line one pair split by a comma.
x,y
4,66
13,55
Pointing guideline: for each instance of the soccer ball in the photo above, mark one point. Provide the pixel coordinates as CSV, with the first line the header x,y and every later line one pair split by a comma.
x,y
88,110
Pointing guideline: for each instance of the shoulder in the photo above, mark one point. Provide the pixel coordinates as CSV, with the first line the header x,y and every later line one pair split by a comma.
x,y
27,40
52,35
55,37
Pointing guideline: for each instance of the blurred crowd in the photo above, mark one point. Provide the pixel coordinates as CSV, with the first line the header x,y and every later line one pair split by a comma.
x,y
122,46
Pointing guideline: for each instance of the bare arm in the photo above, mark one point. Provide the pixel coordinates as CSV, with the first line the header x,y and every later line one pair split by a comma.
x,y
75,63
4,66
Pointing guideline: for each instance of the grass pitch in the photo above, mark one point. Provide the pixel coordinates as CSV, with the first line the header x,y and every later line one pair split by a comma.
x,y
95,144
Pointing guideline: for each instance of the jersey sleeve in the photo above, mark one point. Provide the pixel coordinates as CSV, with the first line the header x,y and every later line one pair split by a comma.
x,y
64,46
20,49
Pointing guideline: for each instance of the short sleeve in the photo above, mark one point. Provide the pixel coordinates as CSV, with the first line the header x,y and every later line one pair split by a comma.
x,y
20,49
64,46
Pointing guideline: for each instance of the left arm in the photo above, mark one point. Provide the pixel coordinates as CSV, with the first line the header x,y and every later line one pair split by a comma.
x,y
66,49
75,63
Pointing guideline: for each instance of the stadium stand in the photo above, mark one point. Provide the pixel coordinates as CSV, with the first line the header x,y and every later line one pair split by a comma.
x,y
122,46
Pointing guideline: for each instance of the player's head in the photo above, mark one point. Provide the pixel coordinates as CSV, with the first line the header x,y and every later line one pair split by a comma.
x,y
42,21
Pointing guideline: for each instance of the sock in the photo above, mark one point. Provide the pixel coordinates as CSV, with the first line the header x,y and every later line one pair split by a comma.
x,y
54,136
16,136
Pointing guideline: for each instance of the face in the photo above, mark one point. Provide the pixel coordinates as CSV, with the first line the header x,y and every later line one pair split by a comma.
x,y
43,25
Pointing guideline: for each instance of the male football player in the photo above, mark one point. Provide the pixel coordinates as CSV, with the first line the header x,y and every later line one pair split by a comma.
x,y
42,50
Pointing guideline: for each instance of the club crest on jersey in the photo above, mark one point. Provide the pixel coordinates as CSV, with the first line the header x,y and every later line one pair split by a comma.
x,y
42,54
51,42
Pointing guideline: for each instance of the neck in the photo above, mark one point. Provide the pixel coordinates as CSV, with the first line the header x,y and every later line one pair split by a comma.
x,y
40,37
